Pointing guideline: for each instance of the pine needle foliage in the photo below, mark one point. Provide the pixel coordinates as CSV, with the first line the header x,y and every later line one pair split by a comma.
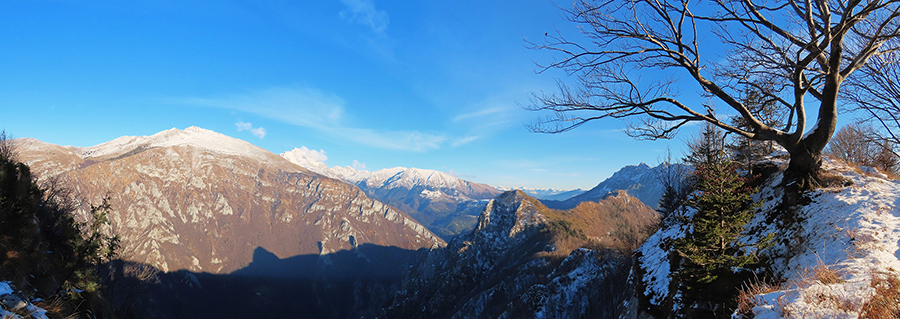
x,y
710,257
723,206
44,250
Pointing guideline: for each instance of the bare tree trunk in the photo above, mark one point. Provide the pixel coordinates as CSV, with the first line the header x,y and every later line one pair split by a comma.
x,y
803,172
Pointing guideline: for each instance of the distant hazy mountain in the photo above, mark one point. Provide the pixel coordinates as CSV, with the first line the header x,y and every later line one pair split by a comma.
x,y
198,200
640,181
547,193
447,205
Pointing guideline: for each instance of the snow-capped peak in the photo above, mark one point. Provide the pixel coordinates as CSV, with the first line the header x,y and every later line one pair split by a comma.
x,y
301,156
411,177
193,136
394,177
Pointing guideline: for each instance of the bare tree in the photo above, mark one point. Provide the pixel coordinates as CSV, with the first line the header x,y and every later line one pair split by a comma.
x,y
677,185
876,92
794,52
851,144
860,144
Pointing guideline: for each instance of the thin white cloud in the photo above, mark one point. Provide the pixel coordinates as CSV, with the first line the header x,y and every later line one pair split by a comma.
x,y
323,111
357,165
259,131
364,13
489,116
294,105
313,154
465,140
400,140
481,113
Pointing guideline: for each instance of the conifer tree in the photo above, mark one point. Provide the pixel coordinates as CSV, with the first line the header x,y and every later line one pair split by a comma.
x,y
710,252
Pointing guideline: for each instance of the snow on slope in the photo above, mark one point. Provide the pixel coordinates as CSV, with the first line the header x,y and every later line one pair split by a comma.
x,y
853,230
193,135
385,178
299,157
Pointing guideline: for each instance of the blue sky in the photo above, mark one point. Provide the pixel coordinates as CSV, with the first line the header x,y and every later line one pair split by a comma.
x,y
428,84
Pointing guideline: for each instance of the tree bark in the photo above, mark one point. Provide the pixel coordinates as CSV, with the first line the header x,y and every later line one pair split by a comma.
x,y
802,174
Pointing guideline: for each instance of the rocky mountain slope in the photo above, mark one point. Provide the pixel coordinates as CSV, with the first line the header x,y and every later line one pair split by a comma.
x,y
198,200
447,205
640,181
524,260
835,256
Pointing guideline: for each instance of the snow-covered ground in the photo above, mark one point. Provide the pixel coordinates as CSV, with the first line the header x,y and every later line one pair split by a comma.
x,y
851,231
11,305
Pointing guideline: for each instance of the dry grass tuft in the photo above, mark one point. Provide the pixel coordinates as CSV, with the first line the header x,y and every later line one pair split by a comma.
x,y
822,273
829,179
746,297
826,274
885,303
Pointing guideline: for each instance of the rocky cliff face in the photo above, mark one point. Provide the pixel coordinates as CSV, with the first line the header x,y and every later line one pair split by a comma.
x,y
197,200
524,260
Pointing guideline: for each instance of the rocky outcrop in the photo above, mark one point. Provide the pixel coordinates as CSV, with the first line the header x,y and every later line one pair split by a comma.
x,y
200,201
524,260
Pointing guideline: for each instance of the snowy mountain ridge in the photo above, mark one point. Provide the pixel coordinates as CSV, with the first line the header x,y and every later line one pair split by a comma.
x,y
198,200
446,204
520,263
384,178
193,136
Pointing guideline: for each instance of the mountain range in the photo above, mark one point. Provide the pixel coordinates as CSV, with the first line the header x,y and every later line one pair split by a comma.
x,y
198,200
218,218
640,181
547,193
446,204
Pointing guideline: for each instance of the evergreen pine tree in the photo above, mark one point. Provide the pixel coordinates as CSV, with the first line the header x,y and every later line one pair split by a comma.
x,y
710,253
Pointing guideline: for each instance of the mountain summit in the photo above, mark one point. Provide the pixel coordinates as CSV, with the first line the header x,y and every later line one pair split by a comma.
x,y
446,204
198,200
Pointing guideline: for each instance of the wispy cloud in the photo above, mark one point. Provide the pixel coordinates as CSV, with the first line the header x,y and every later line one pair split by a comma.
x,y
464,140
489,116
400,140
357,165
364,13
294,105
258,131
489,111
323,111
